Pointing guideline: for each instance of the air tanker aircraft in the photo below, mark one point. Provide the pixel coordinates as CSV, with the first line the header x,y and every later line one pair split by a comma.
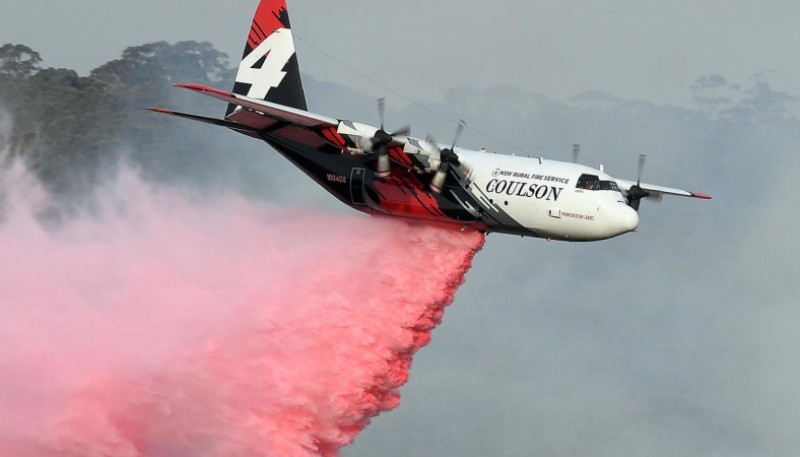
x,y
391,173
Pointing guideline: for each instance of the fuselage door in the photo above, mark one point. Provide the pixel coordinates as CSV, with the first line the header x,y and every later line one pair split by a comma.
x,y
357,185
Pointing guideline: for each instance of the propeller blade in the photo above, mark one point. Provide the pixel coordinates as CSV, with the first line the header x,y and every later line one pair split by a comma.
x,y
636,193
382,139
432,142
381,110
405,131
461,126
446,155
642,158
447,159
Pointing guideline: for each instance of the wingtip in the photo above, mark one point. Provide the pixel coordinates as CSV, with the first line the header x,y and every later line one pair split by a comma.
x,y
160,110
701,195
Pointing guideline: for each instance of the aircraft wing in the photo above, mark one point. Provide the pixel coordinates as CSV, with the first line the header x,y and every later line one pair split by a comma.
x,y
656,192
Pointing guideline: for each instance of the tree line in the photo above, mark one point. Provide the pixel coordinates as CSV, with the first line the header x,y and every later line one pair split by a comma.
x,y
70,128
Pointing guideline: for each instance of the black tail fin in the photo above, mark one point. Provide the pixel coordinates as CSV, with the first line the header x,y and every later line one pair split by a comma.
x,y
269,69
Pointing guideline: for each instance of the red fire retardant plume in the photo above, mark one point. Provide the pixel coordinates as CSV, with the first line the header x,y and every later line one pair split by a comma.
x,y
163,326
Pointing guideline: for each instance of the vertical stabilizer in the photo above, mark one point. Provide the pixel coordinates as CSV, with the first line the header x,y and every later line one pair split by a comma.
x,y
269,69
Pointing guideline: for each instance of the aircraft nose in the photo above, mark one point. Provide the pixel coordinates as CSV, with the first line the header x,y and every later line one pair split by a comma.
x,y
627,219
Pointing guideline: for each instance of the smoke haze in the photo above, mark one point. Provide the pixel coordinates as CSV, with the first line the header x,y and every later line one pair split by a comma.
x,y
678,339
163,325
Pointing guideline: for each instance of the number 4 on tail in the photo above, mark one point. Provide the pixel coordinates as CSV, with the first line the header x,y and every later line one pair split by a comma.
x,y
275,51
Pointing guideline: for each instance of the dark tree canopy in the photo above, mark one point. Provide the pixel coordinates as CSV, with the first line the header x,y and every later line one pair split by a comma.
x,y
18,61
70,127
164,62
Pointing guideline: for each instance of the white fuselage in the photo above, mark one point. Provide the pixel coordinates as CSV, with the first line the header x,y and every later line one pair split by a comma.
x,y
529,196
543,196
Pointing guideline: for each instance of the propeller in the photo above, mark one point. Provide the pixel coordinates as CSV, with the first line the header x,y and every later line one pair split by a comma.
x,y
381,141
576,152
447,159
636,193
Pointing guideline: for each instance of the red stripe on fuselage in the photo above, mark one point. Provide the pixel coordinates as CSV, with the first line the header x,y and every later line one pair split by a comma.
x,y
333,136
397,154
403,194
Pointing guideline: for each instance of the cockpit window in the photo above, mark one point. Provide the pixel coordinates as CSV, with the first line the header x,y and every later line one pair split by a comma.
x,y
608,185
592,182
587,182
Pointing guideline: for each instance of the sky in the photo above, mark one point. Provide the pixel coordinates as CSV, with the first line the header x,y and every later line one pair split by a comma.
x,y
678,339
646,49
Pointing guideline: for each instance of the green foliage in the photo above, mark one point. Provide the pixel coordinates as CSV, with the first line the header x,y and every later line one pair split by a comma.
x,y
71,128
162,62
18,61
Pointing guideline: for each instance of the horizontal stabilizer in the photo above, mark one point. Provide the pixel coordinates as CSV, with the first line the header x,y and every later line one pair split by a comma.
x,y
280,112
241,128
206,120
